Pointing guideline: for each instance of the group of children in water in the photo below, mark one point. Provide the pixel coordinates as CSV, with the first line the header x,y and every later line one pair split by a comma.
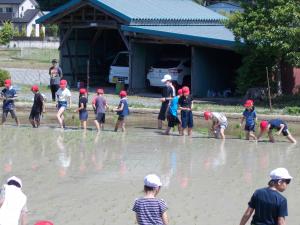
x,y
171,104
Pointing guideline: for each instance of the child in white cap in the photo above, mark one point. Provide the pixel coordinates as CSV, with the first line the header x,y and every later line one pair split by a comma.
x,y
268,205
149,209
13,203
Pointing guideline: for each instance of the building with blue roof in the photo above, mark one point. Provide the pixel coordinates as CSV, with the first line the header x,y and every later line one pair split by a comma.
x,y
92,32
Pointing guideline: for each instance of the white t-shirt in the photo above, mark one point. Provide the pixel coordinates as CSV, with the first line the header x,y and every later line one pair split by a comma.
x,y
63,95
13,205
219,117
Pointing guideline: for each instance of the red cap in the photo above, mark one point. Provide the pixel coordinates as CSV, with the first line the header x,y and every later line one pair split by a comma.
x,y
179,92
63,83
123,94
35,88
82,91
7,83
264,124
100,91
248,103
186,90
207,115
43,223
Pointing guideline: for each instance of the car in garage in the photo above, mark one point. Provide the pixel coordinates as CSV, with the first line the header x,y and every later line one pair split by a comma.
x,y
119,69
179,69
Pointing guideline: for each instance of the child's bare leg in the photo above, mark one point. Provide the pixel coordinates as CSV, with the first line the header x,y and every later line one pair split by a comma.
x,y
179,129
251,134
291,138
32,122
182,131
97,125
247,134
222,133
190,130
60,117
84,125
167,132
271,138
123,126
17,121
117,125
159,124
102,126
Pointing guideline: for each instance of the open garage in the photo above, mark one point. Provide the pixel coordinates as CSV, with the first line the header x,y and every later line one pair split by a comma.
x,y
155,34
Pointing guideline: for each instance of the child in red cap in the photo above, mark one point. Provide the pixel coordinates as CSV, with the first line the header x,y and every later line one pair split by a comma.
x,y
275,124
8,95
100,106
38,107
83,114
63,97
249,115
185,105
122,110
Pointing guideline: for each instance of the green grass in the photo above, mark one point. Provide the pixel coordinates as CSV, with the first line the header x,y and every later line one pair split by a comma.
x,y
27,58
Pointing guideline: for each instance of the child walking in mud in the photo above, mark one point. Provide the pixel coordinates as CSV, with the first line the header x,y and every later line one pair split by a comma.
x,y
8,95
83,114
268,205
149,209
249,115
38,107
63,97
275,124
185,105
172,114
99,106
219,123
122,110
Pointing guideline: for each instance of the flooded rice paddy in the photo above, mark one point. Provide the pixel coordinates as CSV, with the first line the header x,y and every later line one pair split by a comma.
x,y
76,178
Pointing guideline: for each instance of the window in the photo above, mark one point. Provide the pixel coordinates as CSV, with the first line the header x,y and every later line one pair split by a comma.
x,y
122,60
9,10
22,9
1,10
166,64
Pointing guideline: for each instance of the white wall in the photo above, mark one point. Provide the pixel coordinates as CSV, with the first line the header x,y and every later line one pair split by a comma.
x,y
34,44
27,4
29,27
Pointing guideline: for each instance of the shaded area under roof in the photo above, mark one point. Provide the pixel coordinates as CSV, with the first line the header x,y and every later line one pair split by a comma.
x,y
130,10
206,35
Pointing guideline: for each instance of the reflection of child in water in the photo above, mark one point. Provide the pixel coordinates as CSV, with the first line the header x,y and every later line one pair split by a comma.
x,y
149,209
64,159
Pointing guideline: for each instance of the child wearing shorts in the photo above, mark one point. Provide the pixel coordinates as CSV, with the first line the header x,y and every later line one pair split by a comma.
x,y
63,97
122,111
83,114
149,209
38,107
99,106
249,115
185,105
219,123
275,124
8,95
172,114
267,204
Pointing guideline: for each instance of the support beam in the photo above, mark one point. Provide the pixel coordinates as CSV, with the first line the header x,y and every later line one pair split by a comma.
x,y
103,24
71,63
125,40
65,37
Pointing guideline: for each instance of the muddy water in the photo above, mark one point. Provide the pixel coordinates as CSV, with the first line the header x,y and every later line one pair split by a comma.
x,y
73,178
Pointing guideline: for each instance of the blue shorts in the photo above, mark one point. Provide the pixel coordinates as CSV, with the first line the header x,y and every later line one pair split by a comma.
x,y
62,104
250,128
83,116
187,119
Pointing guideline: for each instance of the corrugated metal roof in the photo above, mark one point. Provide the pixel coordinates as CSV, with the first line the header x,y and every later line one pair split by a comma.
x,y
208,35
142,10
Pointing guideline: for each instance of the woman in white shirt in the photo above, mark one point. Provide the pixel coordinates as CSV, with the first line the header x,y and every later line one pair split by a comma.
x,y
63,98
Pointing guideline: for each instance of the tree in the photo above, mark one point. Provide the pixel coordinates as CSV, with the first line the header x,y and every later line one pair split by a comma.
x,y
6,33
270,31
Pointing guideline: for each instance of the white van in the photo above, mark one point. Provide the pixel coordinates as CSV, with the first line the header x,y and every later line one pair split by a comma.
x,y
119,69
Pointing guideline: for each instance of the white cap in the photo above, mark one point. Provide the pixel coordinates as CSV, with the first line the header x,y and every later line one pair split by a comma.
x,y
152,180
14,178
166,78
280,173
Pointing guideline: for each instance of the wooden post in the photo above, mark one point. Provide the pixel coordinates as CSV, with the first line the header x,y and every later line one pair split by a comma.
x,y
269,90
88,75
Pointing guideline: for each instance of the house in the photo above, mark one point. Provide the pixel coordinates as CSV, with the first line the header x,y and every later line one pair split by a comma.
x,y
225,8
23,14
93,31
